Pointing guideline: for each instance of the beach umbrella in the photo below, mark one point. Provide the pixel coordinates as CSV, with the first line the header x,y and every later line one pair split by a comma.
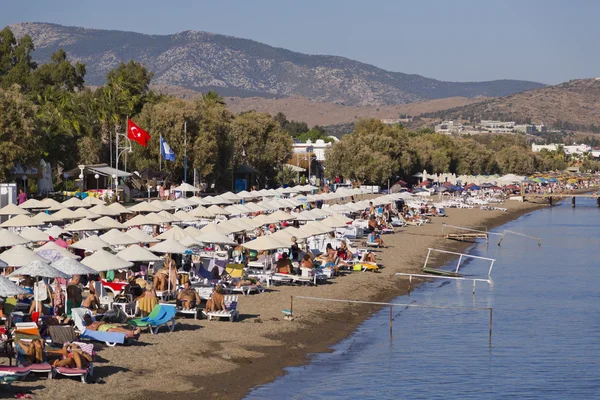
x,y
192,231
181,202
169,216
195,200
247,195
186,187
84,225
71,266
33,204
231,196
332,222
137,254
216,210
214,237
119,208
20,221
159,219
221,200
169,246
306,216
85,213
13,209
9,288
55,231
53,204
103,261
35,235
110,223
210,228
39,269
141,236
74,202
139,220
279,216
184,216
93,201
115,237
53,247
161,205
188,241
145,207
101,209
90,243
8,239
66,214
18,256
260,220
253,207
175,233
201,212
230,227
266,243
46,218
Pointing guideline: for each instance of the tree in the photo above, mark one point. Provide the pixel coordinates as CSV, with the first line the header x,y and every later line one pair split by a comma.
x,y
287,176
16,62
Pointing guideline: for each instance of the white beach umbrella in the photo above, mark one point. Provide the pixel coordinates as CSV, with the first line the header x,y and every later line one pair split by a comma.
x,y
102,261
84,225
139,220
85,213
119,208
260,220
246,195
20,221
188,241
71,266
184,216
186,187
306,216
175,233
35,235
230,227
39,269
101,209
279,216
115,237
141,236
13,209
317,226
333,222
214,237
33,204
66,214
93,201
201,212
74,202
161,205
210,228
254,207
145,207
221,200
266,243
169,246
196,200
18,256
216,210
46,218
8,239
90,243
171,217
53,247
231,196
55,231
53,204
9,288
181,202
192,231
110,223
137,254
159,219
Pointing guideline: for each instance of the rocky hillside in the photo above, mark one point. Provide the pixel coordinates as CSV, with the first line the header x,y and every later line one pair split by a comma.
x,y
573,105
241,67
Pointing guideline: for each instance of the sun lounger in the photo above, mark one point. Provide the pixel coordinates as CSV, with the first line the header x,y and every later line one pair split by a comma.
x,y
9,375
161,315
110,338
83,373
230,312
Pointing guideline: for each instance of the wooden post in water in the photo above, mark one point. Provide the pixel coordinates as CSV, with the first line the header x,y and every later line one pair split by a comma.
x,y
391,321
550,201
490,324
573,201
597,201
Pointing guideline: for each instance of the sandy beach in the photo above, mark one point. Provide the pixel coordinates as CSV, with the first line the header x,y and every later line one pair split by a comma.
x,y
223,360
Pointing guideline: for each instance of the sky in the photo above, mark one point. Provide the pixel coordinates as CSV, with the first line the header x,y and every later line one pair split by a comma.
x,y
547,41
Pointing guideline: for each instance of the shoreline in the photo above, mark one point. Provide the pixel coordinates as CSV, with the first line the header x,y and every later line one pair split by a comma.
x,y
224,360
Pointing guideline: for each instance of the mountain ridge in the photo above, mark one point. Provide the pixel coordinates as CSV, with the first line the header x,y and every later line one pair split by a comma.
x,y
202,60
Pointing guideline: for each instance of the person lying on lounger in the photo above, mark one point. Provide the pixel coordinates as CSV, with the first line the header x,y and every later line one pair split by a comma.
x,y
104,327
188,298
369,257
72,357
34,350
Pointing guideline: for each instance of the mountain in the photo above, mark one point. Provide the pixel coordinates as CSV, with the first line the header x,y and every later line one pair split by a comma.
x,y
239,67
573,105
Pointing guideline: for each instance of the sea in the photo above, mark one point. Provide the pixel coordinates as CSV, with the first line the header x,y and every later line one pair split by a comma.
x,y
545,339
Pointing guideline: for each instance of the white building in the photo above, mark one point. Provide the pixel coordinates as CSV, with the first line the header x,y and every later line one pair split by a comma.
x,y
572,149
497,126
317,148
449,127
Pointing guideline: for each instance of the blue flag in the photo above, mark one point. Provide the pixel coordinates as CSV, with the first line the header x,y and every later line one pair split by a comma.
x,y
166,151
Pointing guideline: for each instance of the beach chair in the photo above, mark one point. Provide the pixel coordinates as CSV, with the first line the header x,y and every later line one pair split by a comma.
x,y
28,331
10,374
230,311
161,315
103,296
110,338
82,373
371,240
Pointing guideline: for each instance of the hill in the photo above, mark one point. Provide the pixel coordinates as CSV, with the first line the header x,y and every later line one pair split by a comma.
x,y
239,67
573,105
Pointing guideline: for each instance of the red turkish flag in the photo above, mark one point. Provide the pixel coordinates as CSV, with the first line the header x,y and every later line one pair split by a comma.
x,y
136,133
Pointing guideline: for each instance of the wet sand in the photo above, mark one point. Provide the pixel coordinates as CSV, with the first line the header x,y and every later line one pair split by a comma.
x,y
223,360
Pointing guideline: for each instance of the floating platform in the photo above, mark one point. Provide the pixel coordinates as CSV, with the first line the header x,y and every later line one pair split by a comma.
x,y
468,236
435,271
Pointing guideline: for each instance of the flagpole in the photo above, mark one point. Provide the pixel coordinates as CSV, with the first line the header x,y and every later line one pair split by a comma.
x,y
116,160
160,154
125,169
185,151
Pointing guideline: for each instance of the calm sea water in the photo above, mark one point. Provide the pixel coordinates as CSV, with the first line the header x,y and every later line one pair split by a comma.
x,y
546,327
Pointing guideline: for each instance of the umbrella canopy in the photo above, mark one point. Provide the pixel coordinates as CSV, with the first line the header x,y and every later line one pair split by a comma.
x,y
168,216
145,207
101,209
118,207
184,216
74,202
266,243
137,253
85,213
21,221
162,205
159,219
188,241
46,218
34,204
231,196
9,288
93,201
230,227
18,256
66,214
216,210
51,246
333,222
35,235
13,209
55,231
91,243
214,237
221,200
181,202
140,220
213,228
141,236
84,225
201,212
71,266
247,195
102,260
260,220
169,246
54,205
8,239
115,237
279,216
40,269
110,223
175,233
186,187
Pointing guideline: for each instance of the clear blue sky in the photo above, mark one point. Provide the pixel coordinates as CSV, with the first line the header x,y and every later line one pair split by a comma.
x,y
549,41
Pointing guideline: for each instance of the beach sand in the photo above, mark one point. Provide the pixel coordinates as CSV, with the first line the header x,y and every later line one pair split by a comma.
x,y
223,360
